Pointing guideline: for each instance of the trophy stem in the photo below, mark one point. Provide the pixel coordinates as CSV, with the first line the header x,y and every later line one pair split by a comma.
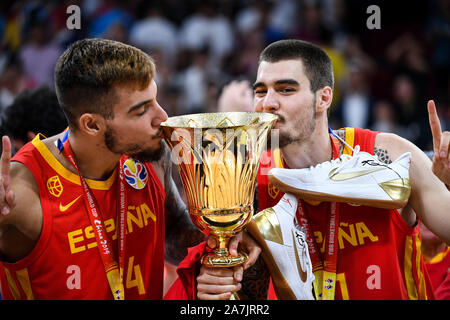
x,y
223,246
220,257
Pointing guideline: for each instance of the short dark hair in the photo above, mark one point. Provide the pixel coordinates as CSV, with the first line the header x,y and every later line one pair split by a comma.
x,y
318,66
87,71
35,110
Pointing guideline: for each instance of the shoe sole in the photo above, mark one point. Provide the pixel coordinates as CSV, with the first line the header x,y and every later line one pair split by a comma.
x,y
281,286
318,196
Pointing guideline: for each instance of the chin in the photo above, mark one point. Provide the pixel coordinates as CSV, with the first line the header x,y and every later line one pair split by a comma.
x,y
149,155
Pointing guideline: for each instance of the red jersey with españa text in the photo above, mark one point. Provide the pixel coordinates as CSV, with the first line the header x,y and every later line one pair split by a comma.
x,y
66,263
379,255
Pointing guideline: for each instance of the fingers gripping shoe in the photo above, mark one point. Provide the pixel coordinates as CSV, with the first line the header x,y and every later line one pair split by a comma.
x,y
285,250
359,179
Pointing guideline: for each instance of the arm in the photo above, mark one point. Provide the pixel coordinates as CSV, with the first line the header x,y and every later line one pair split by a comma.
x,y
255,282
429,198
7,196
180,232
20,208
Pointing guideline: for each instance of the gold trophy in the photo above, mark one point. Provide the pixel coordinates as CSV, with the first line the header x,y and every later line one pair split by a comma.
x,y
217,155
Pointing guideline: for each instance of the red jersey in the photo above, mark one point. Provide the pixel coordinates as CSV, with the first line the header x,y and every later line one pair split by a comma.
x,y
66,263
379,255
439,270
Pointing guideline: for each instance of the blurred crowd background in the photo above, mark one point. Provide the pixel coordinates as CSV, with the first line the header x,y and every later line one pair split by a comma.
x,y
384,77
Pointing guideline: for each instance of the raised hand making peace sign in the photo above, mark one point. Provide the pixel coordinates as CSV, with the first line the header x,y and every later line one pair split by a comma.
x,y
7,198
441,146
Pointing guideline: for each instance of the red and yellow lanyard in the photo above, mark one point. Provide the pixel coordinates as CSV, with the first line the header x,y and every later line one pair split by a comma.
x,y
114,271
324,268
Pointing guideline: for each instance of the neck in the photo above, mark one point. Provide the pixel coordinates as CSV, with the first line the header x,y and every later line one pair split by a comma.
x,y
316,149
93,159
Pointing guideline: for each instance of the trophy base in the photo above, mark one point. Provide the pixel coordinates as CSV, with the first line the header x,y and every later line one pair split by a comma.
x,y
224,260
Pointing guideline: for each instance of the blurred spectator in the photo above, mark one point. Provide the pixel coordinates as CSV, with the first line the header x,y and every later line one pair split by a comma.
x,y
193,83
208,28
90,7
405,99
236,96
438,27
10,25
356,104
275,19
384,118
341,74
245,64
155,31
38,47
116,31
437,260
355,55
333,14
312,28
410,111
109,13
13,81
32,112
407,52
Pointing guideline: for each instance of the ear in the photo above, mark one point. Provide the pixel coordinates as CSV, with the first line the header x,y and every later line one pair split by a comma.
x,y
324,97
90,123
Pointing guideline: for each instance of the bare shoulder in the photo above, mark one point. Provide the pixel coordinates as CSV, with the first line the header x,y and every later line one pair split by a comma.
x,y
391,146
388,147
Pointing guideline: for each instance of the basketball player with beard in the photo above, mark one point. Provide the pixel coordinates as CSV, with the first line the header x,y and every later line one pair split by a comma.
x,y
358,252
91,213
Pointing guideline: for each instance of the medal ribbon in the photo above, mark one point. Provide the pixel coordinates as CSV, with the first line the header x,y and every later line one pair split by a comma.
x,y
114,271
324,269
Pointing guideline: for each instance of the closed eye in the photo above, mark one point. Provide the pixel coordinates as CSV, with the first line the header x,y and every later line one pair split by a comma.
x,y
139,106
144,109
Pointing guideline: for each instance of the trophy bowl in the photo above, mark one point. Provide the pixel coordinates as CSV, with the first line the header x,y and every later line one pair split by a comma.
x,y
217,156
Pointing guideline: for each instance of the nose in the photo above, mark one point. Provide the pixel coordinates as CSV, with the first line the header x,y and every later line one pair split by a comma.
x,y
270,102
160,116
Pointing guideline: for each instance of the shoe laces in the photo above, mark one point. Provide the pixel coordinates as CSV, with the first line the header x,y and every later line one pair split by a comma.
x,y
341,162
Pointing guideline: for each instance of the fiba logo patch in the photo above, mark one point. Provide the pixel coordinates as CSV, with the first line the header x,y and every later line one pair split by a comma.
x,y
328,284
135,173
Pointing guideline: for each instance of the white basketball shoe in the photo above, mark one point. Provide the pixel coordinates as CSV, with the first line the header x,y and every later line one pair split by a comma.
x,y
360,179
285,250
